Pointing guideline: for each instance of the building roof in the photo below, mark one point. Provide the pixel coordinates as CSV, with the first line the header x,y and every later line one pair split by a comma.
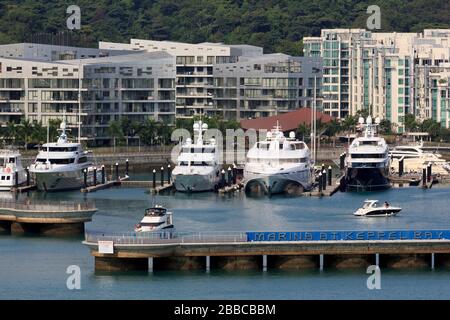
x,y
288,121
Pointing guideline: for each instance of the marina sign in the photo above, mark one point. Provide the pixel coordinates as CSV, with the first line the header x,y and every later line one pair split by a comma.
x,y
349,235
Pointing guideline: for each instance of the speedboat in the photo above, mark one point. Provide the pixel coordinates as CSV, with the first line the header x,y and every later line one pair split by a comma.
x,y
10,163
155,219
371,209
278,164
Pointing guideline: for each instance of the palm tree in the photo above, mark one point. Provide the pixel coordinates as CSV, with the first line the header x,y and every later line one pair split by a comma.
x,y
115,132
11,131
25,131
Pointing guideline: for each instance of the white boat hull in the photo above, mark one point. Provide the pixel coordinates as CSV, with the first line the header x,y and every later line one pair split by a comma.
x,y
6,185
62,180
194,182
278,182
379,212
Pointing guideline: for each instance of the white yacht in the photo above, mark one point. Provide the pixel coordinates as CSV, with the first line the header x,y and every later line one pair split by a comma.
x,y
60,165
415,158
198,167
367,161
10,163
155,219
278,164
371,209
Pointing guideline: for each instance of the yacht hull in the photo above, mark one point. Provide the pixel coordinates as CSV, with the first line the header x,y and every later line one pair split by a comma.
x,y
279,182
367,179
6,185
59,181
194,182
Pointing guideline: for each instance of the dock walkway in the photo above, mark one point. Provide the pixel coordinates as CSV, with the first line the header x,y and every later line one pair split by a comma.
x,y
284,250
61,217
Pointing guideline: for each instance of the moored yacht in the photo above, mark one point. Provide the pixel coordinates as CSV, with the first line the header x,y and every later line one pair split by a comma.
x,y
367,161
415,158
197,166
278,164
10,163
60,165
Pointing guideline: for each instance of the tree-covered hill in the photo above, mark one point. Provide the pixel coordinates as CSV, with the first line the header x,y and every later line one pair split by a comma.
x,y
277,25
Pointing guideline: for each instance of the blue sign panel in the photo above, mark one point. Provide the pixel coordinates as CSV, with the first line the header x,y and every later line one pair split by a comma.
x,y
349,235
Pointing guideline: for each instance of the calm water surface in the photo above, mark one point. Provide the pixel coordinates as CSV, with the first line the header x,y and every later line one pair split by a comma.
x,y
34,267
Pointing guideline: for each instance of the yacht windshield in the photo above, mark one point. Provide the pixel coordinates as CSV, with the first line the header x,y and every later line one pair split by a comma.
x,y
61,149
369,143
57,161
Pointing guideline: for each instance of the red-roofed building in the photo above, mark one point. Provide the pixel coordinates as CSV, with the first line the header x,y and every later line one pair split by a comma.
x,y
288,121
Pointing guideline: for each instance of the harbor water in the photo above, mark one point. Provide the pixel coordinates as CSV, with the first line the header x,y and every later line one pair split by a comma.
x,y
34,267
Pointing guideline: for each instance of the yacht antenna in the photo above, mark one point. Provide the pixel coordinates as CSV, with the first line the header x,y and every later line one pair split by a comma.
x,y
48,137
79,101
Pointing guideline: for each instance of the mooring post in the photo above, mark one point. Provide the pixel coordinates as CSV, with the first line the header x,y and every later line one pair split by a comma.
x,y
162,176
234,173
424,177
321,262
320,182
85,177
127,167
150,264
117,171
222,178
16,177
169,174
95,176
324,179
103,174
377,259
154,178
429,172
28,175
229,177
330,172
432,261
264,258
400,167
208,263
342,161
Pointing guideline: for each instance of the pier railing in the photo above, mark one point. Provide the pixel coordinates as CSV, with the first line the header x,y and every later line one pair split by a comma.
x,y
46,206
165,237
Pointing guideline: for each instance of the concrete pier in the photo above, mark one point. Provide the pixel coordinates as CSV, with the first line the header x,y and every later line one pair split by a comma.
x,y
240,251
54,219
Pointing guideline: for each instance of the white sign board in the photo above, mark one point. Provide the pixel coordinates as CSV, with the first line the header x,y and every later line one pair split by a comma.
x,y
106,247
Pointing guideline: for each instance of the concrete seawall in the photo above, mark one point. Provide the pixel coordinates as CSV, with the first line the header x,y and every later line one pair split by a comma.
x,y
44,219
274,255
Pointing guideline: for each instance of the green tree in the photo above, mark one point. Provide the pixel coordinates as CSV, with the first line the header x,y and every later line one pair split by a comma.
x,y
148,132
303,131
410,123
25,131
115,132
385,127
349,123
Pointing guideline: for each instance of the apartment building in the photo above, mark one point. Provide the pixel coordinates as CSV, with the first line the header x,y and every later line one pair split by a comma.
x,y
383,73
194,69
145,79
266,85
93,91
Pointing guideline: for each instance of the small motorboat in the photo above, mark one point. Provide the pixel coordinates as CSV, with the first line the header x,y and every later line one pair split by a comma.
x,y
155,219
371,209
